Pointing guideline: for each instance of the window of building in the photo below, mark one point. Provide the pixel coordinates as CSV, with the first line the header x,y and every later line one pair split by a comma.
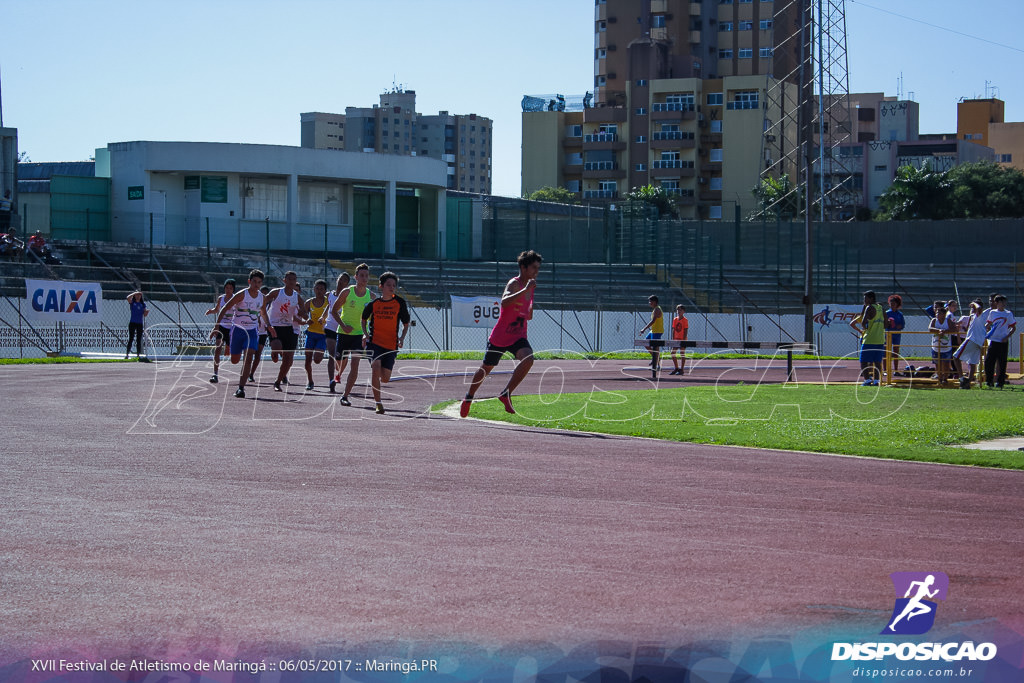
x,y
575,131
670,186
265,199
746,26
715,98
725,54
716,154
1006,158
716,126
602,53
725,26
641,167
715,211
724,2
746,2
715,183
765,24
601,81
746,53
658,21
602,26
642,83
766,52
641,138
881,167
641,111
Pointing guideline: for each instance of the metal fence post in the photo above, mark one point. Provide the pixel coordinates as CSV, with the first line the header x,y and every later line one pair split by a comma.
x,y
267,219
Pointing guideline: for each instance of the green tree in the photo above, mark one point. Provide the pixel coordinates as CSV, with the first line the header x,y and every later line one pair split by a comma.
x,y
916,193
656,198
987,190
559,195
777,198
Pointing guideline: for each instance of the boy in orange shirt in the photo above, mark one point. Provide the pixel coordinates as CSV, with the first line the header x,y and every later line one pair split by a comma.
x,y
680,328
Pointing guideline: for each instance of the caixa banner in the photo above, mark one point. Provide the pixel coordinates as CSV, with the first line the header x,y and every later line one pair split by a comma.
x,y
477,311
51,301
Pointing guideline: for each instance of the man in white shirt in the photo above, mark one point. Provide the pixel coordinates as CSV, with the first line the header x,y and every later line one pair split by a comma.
x,y
1000,325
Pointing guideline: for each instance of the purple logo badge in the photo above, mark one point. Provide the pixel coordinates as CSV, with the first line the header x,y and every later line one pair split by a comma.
x,y
916,595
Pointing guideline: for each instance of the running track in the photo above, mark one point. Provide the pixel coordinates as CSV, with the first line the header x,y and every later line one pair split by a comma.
x,y
222,522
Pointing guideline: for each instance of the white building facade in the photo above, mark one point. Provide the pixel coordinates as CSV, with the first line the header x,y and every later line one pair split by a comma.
x,y
278,197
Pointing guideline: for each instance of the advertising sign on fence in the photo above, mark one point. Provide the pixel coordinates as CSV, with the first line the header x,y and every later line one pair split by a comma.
x,y
477,311
51,301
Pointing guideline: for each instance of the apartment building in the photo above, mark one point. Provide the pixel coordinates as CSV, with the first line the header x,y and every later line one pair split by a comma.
x,y
679,103
463,141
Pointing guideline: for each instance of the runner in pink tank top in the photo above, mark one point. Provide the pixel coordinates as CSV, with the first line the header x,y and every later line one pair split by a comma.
x,y
511,325
509,333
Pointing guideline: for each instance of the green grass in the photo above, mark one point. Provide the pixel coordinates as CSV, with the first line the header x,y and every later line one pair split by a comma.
x,y
891,422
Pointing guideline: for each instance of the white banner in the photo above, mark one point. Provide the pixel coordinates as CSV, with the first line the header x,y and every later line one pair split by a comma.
x,y
477,311
51,301
836,318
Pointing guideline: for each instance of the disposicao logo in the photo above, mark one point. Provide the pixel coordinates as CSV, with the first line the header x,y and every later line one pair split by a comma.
x,y
916,595
913,613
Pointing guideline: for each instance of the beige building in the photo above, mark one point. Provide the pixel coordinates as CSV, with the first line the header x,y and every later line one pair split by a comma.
x,y
463,141
1007,139
700,139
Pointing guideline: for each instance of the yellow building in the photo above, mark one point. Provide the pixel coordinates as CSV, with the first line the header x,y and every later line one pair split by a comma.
x,y
974,116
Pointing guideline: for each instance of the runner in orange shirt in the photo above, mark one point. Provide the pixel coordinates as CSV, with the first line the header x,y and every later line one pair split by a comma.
x,y
380,332
680,328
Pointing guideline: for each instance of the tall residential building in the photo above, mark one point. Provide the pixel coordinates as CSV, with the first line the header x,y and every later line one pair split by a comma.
x,y
679,103
463,141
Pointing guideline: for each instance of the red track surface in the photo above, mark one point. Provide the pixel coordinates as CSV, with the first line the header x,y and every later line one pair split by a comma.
x,y
228,521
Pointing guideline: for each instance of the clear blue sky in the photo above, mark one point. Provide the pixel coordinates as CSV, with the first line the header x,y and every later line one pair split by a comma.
x,y
78,74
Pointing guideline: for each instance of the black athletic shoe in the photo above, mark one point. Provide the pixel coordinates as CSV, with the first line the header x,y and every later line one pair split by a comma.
x,y
239,393
380,409
277,386
330,387
309,387
214,380
252,379
344,400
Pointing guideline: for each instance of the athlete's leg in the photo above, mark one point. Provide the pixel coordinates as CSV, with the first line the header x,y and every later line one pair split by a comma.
x,y
525,361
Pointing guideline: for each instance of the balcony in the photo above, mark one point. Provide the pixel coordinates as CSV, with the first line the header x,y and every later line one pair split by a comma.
x,y
672,140
603,141
605,114
575,170
672,169
673,111
745,104
602,170
711,195
600,194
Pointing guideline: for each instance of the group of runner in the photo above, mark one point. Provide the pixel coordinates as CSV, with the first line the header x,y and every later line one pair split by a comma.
x,y
350,323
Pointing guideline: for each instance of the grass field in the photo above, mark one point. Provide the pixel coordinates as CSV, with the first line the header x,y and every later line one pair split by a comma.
x,y
896,423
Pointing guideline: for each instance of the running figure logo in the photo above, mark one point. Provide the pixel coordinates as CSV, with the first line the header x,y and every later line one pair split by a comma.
x,y
916,592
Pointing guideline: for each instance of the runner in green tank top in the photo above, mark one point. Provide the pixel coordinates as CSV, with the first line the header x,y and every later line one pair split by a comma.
x,y
872,348
348,312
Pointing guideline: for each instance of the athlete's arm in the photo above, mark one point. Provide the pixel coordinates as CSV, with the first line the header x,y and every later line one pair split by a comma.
x,y
404,318
230,303
514,291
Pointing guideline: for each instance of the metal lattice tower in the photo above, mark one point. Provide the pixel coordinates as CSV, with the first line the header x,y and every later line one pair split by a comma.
x,y
807,113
